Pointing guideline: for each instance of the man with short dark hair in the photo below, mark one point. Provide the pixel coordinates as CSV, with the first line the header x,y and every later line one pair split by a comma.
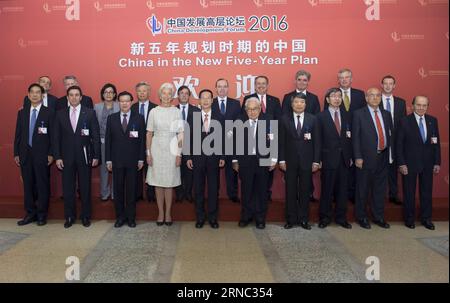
x,y
418,157
76,150
33,154
125,154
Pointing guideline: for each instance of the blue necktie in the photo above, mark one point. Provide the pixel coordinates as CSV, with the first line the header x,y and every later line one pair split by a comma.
x,y
222,107
142,110
32,124
183,113
422,130
388,104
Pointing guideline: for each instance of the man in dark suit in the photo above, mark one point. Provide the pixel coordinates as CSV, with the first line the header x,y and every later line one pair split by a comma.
x,y
184,191
253,161
299,147
64,103
205,161
125,154
372,129
76,150
418,156
230,110
397,107
336,159
302,79
33,154
352,99
271,108
48,100
143,107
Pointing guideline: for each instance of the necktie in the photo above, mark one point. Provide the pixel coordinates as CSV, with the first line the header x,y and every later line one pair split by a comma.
x,y
183,112
422,130
206,124
32,124
263,104
73,118
222,107
142,110
381,144
124,123
337,123
253,127
299,125
388,104
346,101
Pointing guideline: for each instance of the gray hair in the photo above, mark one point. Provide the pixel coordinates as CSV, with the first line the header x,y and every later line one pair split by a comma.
x,y
70,77
251,99
303,73
345,70
142,83
164,86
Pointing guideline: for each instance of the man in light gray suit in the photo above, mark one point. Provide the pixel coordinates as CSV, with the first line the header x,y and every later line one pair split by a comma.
x,y
108,106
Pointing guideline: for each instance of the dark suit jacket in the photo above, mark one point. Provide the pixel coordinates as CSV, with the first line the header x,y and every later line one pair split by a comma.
x,y
42,143
335,147
365,139
69,146
312,103
273,107
202,135
357,100
51,102
244,159
86,101
294,148
135,108
121,149
411,150
232,110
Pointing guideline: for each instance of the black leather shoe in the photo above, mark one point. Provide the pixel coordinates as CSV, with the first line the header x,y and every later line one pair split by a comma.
x,y
429,225
139,198
41,222
352,200
235,200
345,224
260,225
395,201
190,199
288,226
131,223
160,223
168,223
119,223
364,224
323,224
214,224
243,223
410,225
305,225
382,224
199,224
86,222
178,200
26,220
104,199
69,222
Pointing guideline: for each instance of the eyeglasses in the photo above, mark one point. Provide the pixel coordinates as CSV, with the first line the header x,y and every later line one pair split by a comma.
x,y
108,93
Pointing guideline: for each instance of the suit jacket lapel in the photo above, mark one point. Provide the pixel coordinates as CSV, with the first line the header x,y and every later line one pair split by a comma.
x,y
81,120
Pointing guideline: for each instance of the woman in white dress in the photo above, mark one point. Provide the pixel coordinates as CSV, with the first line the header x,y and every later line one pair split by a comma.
x,y
164,144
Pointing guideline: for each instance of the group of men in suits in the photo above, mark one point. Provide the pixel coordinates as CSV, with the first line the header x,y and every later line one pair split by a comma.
x,y
359,141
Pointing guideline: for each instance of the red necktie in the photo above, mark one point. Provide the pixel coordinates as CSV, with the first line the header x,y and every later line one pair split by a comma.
x,y
263,104
337,123
381,145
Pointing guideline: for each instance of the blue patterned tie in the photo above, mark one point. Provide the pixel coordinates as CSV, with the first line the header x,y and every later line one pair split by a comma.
x,y
32,124
183,113
388,104
142,110
422,130
222,107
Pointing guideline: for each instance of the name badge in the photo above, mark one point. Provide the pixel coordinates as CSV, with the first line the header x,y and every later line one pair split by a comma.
x,y
307,136
349,134
42,130
134,134
85,132
434,140
270,137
